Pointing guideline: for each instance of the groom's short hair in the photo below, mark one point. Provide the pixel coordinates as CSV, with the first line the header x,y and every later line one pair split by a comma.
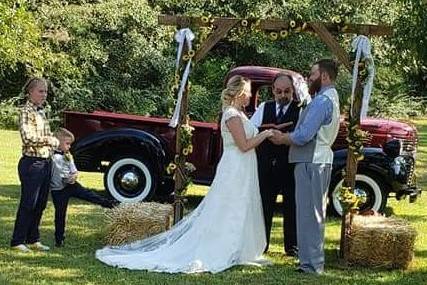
x,y
330,66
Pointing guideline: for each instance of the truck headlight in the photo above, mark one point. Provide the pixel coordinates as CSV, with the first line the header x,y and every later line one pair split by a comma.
x,y
398,165
393,148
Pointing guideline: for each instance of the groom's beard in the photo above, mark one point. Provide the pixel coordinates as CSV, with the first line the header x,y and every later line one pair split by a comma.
x,y
315,87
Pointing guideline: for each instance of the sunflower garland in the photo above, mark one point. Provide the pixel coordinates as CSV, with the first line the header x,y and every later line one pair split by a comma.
x,y
203,32
294,27
355,140
348,200
253,25
174,168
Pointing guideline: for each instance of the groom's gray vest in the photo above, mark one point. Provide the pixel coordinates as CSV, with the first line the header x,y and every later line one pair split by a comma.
x,y
318,150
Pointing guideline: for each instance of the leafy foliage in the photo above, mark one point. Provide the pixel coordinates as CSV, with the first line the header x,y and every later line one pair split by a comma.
x,y
410,43
8,115
19,37
113,55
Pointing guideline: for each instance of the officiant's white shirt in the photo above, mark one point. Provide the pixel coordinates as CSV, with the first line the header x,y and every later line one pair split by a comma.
x,y
258,116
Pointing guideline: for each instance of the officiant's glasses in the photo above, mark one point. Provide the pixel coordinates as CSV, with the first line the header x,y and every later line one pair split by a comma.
x,y
280,91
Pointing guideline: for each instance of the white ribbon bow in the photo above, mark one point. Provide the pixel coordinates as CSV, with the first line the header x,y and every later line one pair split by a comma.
x,y
182,36
362,47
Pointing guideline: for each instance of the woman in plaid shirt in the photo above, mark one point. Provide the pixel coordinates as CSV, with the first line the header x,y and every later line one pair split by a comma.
x,y
34,167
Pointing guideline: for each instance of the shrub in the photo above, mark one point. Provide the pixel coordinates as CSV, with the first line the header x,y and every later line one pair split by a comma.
x,y
9,114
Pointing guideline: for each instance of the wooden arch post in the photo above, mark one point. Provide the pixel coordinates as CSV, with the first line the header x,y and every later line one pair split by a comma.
x,y
325,31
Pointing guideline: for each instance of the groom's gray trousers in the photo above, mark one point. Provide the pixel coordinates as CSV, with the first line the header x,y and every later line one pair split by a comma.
x,y
311,192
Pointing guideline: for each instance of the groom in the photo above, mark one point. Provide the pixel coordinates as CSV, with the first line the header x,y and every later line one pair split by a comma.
x,y
310,148
275,172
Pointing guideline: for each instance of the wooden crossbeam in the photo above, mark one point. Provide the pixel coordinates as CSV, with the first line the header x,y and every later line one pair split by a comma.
x,y
278,24
223,27
332,44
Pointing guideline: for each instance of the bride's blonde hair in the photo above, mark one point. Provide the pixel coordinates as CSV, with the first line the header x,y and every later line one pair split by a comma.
x,y
235,88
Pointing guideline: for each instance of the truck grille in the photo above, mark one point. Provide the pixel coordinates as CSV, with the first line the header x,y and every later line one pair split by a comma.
x,y
409,147
410,168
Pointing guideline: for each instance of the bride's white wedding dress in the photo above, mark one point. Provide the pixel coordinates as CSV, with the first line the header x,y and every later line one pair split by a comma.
x,y
226,229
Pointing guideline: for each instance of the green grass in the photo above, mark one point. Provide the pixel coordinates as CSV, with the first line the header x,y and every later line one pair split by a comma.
x,y
76,264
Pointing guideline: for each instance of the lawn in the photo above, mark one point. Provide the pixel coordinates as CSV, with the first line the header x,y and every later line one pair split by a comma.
x,y
76,264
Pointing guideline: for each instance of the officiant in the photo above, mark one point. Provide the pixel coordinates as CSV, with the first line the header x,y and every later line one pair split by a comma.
x,y
276,174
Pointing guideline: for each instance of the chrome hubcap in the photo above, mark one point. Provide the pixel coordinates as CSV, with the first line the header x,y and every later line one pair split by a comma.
x,y
129,181
361,194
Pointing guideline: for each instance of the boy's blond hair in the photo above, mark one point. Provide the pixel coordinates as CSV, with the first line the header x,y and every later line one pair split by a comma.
x,y
63,133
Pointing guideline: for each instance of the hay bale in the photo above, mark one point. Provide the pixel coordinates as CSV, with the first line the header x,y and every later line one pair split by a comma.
x,y
135,221
377,241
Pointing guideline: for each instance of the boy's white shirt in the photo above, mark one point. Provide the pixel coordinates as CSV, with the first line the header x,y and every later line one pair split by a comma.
x,y
62,170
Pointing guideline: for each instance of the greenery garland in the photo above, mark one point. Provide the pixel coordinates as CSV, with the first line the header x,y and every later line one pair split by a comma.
x,y
355,138
186,149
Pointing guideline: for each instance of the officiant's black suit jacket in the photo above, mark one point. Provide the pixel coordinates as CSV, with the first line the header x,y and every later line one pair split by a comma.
x,y
276,175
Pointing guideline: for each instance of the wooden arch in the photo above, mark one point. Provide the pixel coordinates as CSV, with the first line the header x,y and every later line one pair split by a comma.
x,y
325,31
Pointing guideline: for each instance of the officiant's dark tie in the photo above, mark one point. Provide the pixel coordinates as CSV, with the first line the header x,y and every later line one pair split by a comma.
x,y
280,115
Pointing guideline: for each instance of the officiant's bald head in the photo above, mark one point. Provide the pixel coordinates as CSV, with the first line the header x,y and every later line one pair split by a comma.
x,y
283,88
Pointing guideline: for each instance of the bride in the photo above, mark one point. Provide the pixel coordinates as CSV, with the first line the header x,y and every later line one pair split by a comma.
x,y
227,228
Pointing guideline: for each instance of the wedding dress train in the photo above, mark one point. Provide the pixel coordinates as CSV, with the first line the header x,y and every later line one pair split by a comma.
x,y
226,229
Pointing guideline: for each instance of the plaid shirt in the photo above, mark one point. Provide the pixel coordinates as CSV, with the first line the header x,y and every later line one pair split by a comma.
x,y
37,139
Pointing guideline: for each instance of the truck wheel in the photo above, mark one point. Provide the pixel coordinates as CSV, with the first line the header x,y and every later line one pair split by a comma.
x,y
368,187
130,180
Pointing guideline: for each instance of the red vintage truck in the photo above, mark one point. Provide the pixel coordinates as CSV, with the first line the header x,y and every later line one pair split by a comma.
x,y
133,151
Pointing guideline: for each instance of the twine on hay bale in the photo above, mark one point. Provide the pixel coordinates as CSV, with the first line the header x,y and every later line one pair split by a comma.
x,y
377,241
135,221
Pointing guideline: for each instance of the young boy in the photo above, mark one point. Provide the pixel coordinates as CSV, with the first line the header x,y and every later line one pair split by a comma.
x,y
64,184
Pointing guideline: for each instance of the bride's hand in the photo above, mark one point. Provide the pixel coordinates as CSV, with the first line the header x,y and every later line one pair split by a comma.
x,y
267,133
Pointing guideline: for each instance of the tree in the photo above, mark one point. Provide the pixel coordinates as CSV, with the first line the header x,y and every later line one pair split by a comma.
x,y
21,50
410,45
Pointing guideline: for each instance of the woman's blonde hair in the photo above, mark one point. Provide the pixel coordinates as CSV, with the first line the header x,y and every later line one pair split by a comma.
x,y
33,82
235,88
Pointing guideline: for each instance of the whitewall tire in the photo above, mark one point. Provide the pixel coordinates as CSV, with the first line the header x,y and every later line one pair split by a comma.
x,y
130,180
367,188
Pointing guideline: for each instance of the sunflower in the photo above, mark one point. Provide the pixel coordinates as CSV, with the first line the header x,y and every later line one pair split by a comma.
x,y
273,35
284,33
360,157
185,151
171,168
